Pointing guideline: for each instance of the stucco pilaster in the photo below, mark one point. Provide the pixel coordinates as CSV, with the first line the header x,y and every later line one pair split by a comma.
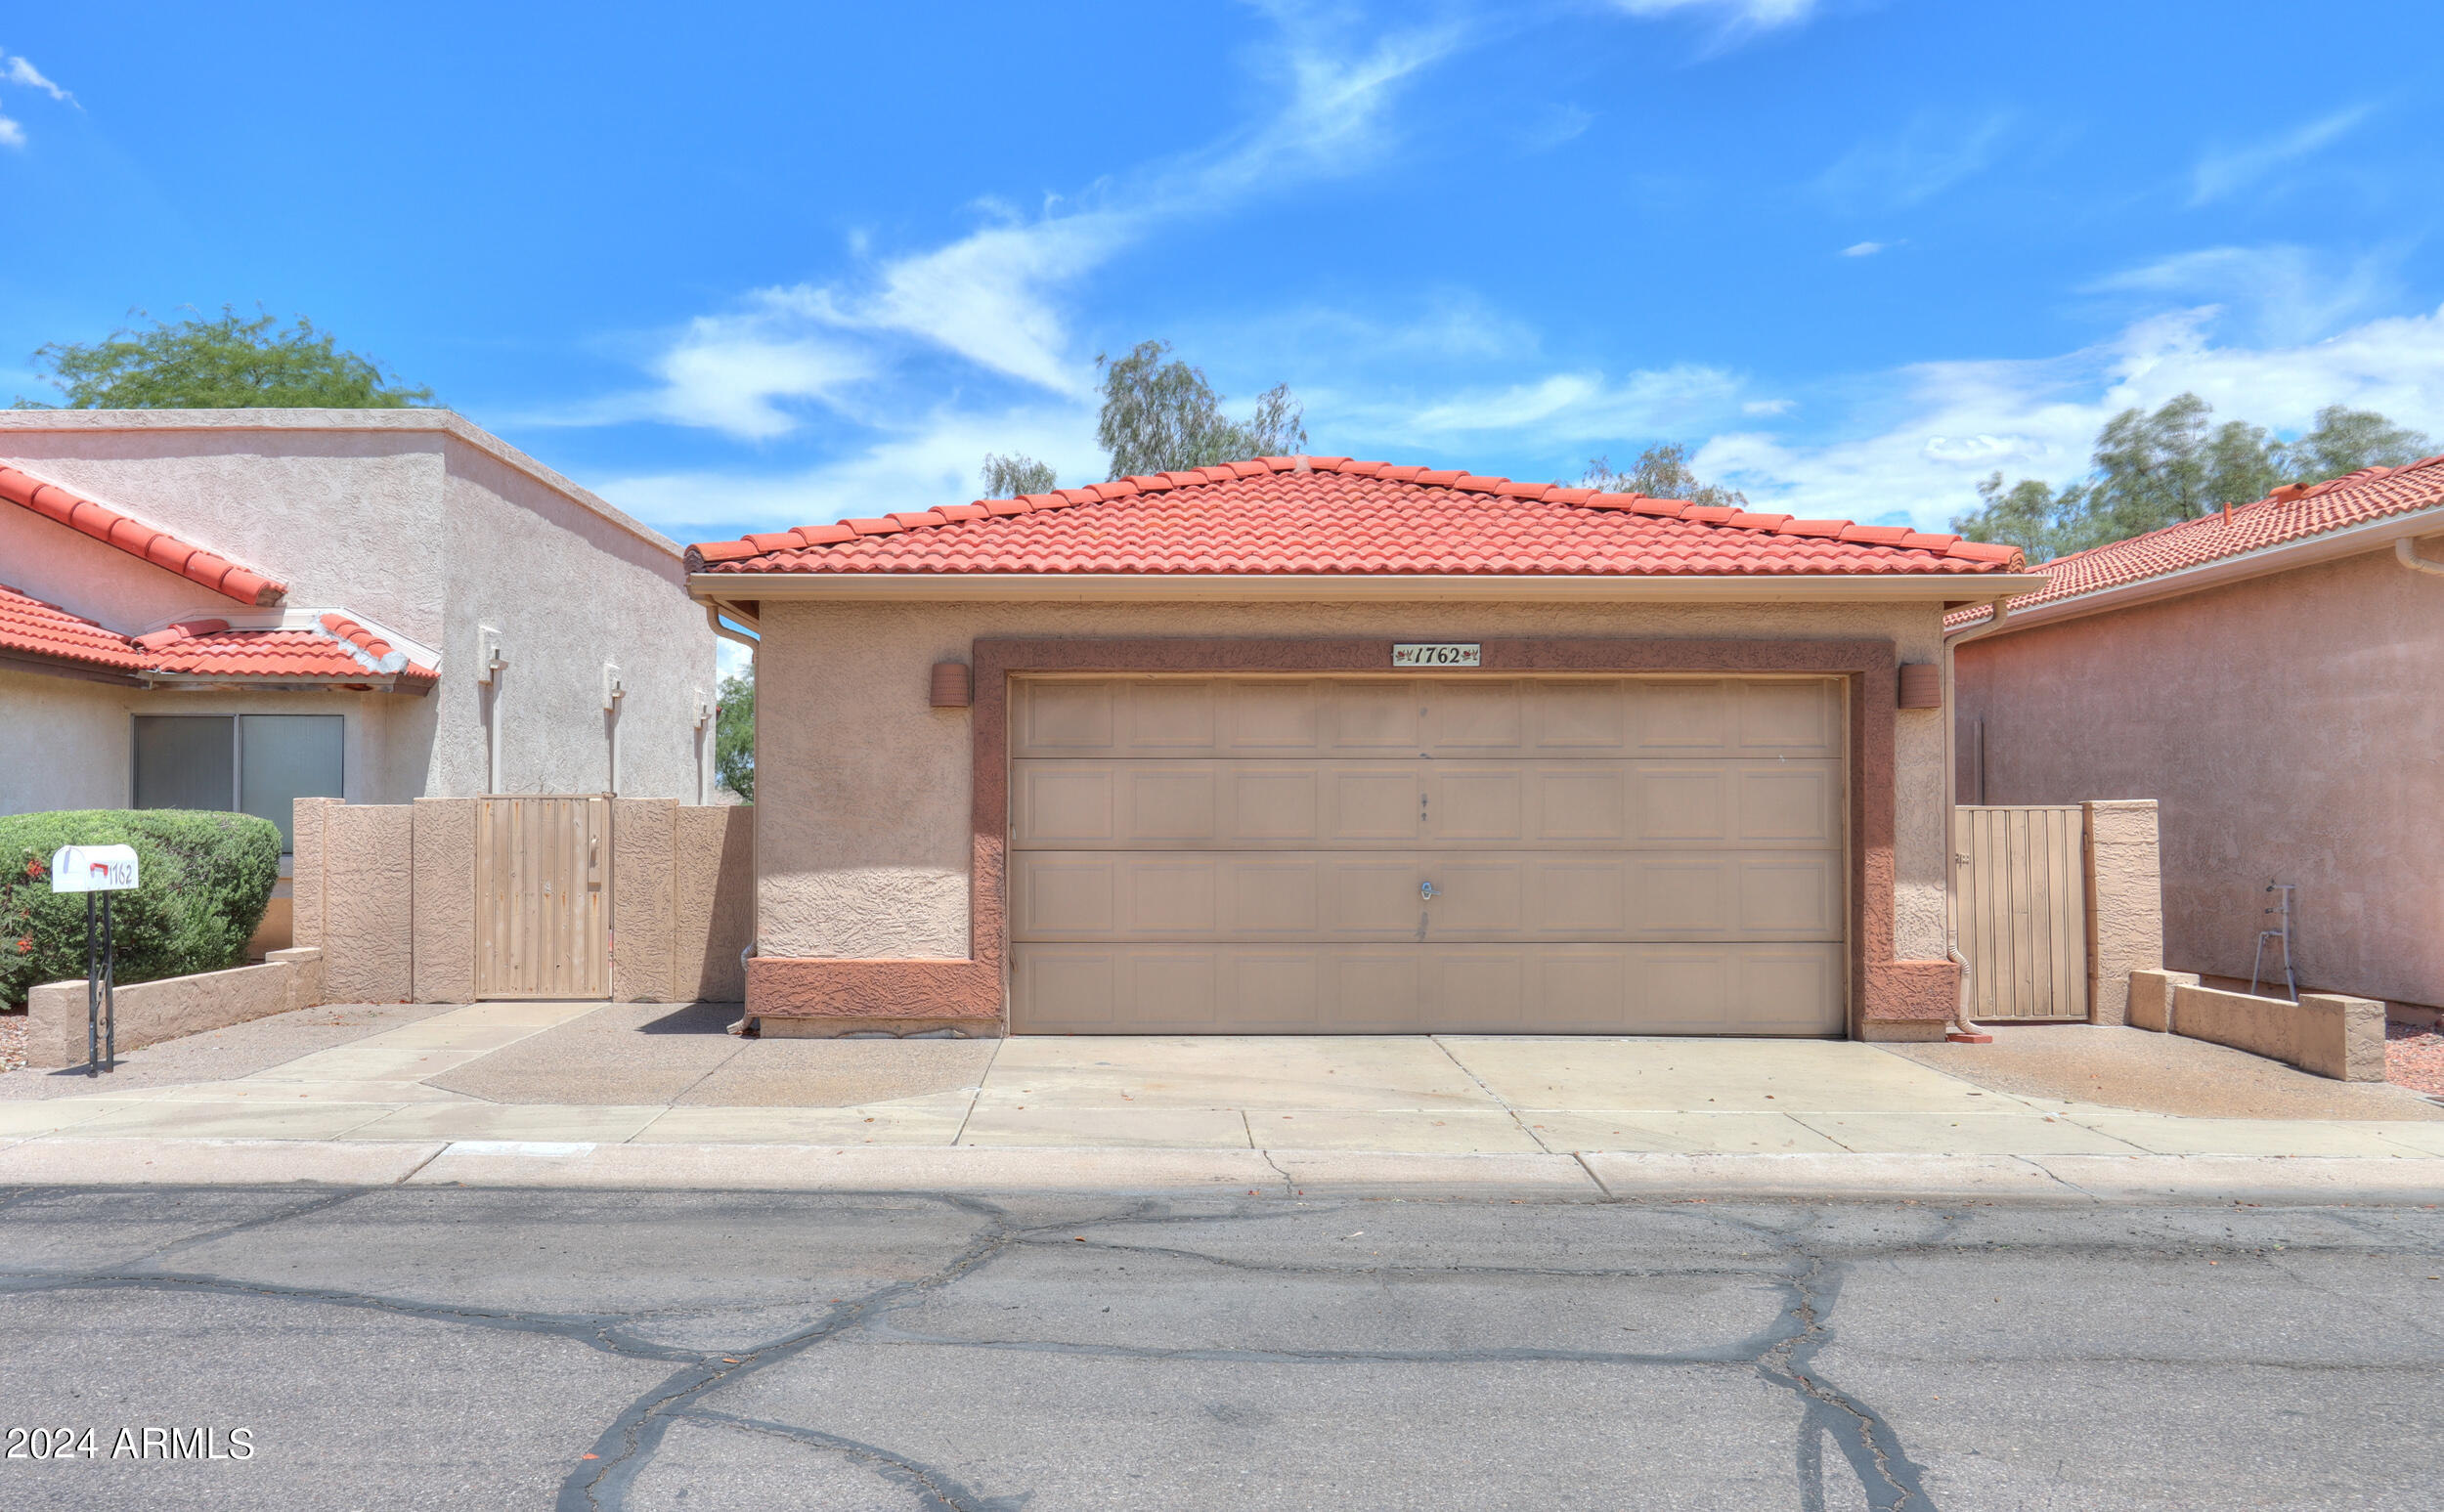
x,y
2126,920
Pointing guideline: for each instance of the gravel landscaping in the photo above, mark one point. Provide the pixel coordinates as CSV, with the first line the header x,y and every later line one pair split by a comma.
x,y
2414,1058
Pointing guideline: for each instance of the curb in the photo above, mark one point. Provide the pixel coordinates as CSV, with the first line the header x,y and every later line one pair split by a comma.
x,y
2055,1180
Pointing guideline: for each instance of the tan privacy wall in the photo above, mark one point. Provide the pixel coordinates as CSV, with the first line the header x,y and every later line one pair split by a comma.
x,y
1413,855
57,1018
2323,1034
389,893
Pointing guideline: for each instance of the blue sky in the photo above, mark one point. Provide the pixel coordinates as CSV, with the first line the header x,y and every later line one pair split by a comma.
x,y
744,267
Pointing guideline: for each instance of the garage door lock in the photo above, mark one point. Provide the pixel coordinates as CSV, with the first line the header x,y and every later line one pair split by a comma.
x,y
1425,890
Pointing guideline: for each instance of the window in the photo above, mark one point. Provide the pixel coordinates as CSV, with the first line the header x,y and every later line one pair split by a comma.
x,y
247,763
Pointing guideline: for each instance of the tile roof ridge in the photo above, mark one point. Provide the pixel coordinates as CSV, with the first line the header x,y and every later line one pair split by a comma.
x,y
114,528
371,651
1988,555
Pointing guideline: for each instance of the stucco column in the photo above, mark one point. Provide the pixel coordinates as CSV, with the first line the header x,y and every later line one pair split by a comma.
x,y
306,858
2126,911
368,903
643,903
444,900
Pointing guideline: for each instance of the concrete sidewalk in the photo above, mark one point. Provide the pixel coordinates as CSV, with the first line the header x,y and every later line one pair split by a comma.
x,y
448,1095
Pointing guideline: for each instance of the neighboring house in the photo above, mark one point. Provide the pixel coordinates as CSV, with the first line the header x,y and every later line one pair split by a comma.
x,y
1149,757
234,609
2273,675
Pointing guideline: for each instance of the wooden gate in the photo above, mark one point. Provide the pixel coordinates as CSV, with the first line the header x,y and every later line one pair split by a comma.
x,y
2023,911
543,871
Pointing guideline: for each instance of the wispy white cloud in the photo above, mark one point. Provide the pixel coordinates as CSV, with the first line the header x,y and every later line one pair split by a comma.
x,y
11,133
2287,294
21,72
929,459
1733,20
1562,409
997,298
2222,172
1962,420
1931,155
1863,250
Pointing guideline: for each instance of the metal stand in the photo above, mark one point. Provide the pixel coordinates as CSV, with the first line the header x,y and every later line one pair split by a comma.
x,y
102,1010
2280,934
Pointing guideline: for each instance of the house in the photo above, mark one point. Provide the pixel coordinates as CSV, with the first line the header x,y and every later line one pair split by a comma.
x,y
2273,675
1314,745
235,609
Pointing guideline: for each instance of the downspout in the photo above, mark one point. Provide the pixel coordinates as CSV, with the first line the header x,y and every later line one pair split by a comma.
x,y
2406,552
1961,1027
746,1024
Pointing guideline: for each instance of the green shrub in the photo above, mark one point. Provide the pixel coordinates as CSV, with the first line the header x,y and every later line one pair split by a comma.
x,y
204,879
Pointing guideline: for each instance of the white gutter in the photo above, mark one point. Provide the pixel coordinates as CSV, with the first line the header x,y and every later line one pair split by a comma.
x,y
2406,552
2397,531
1846,587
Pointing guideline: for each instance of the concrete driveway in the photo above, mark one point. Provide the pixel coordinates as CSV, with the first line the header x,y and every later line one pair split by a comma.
x,y
669,1075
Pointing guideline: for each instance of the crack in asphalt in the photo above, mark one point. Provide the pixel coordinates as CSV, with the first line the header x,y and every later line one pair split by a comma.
x,y
1783,1353
935,1487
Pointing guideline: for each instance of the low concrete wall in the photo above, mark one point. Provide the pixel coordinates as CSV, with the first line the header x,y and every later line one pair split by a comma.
x,y
2323,1033
2150,998
2125,904
388,892
150,1011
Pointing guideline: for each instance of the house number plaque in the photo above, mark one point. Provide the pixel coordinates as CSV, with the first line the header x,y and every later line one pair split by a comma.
x,y
1443,655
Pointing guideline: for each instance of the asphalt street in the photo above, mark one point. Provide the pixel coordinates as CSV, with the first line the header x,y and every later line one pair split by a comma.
x,y
467,1347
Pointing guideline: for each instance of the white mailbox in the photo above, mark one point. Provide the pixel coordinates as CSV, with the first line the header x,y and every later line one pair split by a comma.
x,y
93,868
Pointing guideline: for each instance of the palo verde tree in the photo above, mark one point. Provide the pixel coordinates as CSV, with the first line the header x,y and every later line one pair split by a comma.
x,y
1661,471
223,362
1163,417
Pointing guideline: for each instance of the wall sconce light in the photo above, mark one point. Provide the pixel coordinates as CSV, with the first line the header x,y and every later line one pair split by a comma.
x,y
1921,685
952,688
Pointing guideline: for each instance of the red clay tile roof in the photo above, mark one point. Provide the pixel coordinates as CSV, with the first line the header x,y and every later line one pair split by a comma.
x,y
342,651
159,547
2293,512
1331,515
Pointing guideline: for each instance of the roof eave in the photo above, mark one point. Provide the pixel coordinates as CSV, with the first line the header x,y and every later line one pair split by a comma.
x,y
1311,587
2289,556
376,682
75,668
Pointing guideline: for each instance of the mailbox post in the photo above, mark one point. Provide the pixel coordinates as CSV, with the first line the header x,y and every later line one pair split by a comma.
x,y
102,868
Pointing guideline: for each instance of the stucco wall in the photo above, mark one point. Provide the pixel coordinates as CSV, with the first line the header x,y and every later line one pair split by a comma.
x,y
568,591
863,789
410,520
2290,728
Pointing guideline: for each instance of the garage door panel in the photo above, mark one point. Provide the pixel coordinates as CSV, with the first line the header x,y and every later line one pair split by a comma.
x,y
1167,897
1758,989
1475,989
1475,718
1368,718
1063,896
1368,899
1064,804
1782,803
1228,805
1067,718
1371,804
1793,718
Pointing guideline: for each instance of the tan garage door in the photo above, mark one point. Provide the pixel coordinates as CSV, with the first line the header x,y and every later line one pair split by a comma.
x,y
1409,854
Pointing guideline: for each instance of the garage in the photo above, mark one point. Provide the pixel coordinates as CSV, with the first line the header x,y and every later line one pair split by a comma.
x,y
1310,745
1427,853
